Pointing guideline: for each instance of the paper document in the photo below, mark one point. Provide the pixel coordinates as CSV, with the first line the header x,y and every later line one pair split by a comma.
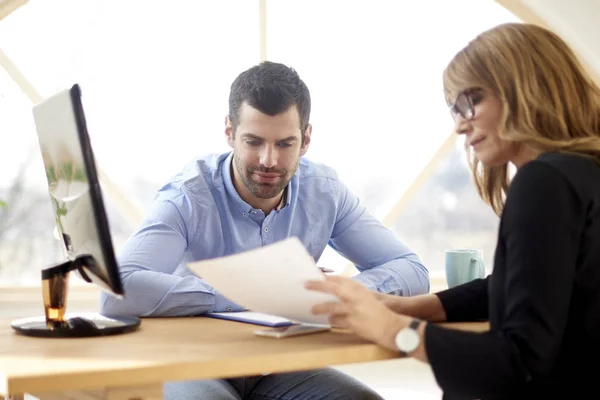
x,y
269,280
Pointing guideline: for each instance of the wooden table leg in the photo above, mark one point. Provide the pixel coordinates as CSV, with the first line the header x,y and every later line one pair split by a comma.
x,y
71,395
148,392
145,392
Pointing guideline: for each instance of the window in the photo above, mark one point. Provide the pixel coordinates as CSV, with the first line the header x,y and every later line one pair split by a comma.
x,y
26,220
374,69
155,78
447,213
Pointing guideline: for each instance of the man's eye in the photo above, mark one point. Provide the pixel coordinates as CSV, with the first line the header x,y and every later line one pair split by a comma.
x,y
285,145
252,142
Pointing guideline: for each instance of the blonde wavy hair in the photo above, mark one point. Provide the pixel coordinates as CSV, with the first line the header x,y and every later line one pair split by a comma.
x,y
549,102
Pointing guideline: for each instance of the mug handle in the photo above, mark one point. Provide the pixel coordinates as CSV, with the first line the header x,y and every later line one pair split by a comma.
x,y
477,268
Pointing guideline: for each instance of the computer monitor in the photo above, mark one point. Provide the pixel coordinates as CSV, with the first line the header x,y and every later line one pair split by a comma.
x,y
81,222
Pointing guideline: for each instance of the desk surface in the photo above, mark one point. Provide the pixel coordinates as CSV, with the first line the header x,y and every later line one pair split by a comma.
x,y
167,349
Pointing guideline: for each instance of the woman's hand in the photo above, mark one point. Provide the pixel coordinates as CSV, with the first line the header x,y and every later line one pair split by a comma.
x,y
359,310
425,306
394,302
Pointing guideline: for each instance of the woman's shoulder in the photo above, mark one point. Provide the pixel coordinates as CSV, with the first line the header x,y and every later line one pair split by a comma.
x,y
568,171
574,167
568,161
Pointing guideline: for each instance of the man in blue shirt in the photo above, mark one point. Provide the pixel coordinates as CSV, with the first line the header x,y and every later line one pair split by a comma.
x,y
261,192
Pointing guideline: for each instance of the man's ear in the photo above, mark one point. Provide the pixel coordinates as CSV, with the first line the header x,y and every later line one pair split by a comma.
x,y
229,133
307,134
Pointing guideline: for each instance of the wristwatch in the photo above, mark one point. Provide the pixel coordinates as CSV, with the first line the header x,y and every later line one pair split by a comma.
x,y
408,339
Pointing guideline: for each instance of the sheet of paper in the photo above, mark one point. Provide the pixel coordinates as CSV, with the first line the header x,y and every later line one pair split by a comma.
x,y
269,279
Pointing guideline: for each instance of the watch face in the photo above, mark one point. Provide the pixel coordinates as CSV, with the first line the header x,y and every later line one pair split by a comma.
x,y
407,340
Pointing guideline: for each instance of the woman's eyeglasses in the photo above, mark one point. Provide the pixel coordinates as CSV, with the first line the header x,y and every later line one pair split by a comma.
x,y
465,103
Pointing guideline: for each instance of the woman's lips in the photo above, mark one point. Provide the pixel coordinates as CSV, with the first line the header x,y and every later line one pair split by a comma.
x,y
476,142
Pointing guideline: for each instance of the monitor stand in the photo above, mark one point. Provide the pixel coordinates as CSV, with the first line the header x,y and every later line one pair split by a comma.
x,y
56,323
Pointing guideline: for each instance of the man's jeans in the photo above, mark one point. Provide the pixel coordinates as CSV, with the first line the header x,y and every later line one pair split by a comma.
x,y
322,384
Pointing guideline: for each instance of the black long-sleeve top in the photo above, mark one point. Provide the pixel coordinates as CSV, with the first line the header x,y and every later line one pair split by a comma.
x,y
542,298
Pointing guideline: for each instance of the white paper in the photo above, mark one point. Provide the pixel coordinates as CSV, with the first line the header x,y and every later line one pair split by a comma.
x,y
268,279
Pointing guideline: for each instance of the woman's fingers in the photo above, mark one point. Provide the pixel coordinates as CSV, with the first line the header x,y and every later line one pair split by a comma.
x,y
343,288
331,307
321,286
339,321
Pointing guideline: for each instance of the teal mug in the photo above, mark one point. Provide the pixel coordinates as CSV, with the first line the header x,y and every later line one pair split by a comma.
x,y
463,265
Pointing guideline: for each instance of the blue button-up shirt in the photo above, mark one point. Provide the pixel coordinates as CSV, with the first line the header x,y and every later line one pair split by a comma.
x,y
199,215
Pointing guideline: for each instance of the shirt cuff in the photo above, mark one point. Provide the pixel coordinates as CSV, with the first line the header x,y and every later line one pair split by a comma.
x,y
223,304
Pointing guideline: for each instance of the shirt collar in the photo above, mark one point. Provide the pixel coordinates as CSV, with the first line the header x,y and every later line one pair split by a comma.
x,y
232,193
282,201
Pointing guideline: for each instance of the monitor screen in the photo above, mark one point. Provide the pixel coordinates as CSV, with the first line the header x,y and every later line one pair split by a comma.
x,y
74,188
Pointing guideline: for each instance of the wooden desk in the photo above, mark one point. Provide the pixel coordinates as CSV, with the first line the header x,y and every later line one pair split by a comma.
x,y
135,365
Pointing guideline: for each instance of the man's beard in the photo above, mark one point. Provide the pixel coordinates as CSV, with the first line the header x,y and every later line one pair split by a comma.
x,y
263,190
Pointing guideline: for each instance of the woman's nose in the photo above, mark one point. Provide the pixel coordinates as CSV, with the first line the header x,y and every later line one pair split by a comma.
x,y
461,125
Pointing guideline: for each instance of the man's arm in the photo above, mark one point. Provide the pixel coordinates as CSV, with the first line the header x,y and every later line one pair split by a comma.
x,y
148,260
385,264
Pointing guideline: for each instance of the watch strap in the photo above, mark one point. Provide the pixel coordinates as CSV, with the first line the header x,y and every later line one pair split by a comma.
x,y
414,325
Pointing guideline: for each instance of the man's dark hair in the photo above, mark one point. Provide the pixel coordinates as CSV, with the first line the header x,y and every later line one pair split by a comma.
x,y
271,88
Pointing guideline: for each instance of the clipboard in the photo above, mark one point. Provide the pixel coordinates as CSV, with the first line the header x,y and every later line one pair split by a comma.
x,y
251,317
255,278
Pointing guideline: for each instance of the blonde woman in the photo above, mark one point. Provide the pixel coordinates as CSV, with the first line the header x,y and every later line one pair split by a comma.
x,y
520,97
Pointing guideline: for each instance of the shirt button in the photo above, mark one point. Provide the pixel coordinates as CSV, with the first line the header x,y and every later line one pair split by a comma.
x,y
253,212
229,309
245,215
266,229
